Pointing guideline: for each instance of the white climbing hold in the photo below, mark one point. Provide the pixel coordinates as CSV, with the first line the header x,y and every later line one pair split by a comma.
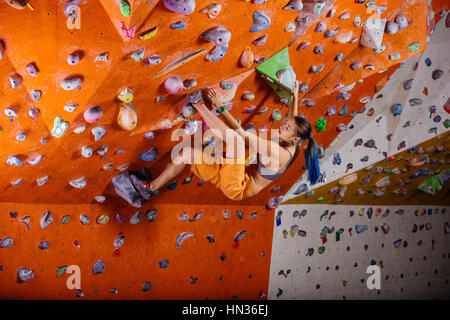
x,y
102,57
10,112
79,129
14,83
138,55
42,181
70,84
79,183
35,161
70,107
86,151
73,59
13,161
98,132
372,33
100,199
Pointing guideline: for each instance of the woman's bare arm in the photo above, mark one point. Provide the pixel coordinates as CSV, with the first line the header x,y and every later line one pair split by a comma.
x,y
293,109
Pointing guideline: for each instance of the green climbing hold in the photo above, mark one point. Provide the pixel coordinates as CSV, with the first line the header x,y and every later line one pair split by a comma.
x,y
321,250
318,8
125,8
394,56
65,219
320,124
338,236
276,115
61,270
433,183
446,123
59,126
414,46
320,199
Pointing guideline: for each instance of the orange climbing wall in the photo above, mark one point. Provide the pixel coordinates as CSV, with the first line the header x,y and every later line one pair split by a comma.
x,y
48,42
245,268
42,37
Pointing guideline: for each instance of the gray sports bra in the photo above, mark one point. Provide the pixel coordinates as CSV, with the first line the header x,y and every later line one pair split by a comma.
x,y
272,175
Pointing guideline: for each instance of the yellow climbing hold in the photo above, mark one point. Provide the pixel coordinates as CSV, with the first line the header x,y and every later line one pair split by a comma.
x,y
149,34
103,219
348,179
126,95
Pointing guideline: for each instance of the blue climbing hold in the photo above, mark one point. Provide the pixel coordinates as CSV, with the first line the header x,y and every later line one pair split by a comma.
x,y
361,228
150,155
172,185
397,109
178,25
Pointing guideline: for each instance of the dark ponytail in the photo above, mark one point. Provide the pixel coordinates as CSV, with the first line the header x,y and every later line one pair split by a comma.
x,y
311,154
312,161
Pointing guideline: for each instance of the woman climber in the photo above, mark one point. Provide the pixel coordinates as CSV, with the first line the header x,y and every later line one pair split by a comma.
x,y
232,178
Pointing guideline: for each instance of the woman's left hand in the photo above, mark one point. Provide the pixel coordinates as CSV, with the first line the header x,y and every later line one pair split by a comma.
x,y
212,96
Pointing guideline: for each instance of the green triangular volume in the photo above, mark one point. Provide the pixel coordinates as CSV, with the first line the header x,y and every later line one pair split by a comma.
x,y
279,62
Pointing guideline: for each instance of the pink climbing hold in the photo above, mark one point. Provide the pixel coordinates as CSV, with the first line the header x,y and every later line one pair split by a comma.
x,y
93,114
173,85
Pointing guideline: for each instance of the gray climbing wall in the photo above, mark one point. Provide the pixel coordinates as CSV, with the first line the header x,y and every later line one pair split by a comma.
x,y
392,134
413,256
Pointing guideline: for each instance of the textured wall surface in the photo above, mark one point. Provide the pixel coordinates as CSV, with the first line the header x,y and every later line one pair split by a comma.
x,y
414,256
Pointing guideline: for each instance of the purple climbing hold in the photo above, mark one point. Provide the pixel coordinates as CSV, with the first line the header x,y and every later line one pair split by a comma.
x,y
320,27
260,41
318,49
24,274
370,144
391,27
146,286
220,36
401,21
294,5
355,65
273,203
151,215
331,33
46,220
150,155
260,21
239,235
98,267
6,242
163,263
180,6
